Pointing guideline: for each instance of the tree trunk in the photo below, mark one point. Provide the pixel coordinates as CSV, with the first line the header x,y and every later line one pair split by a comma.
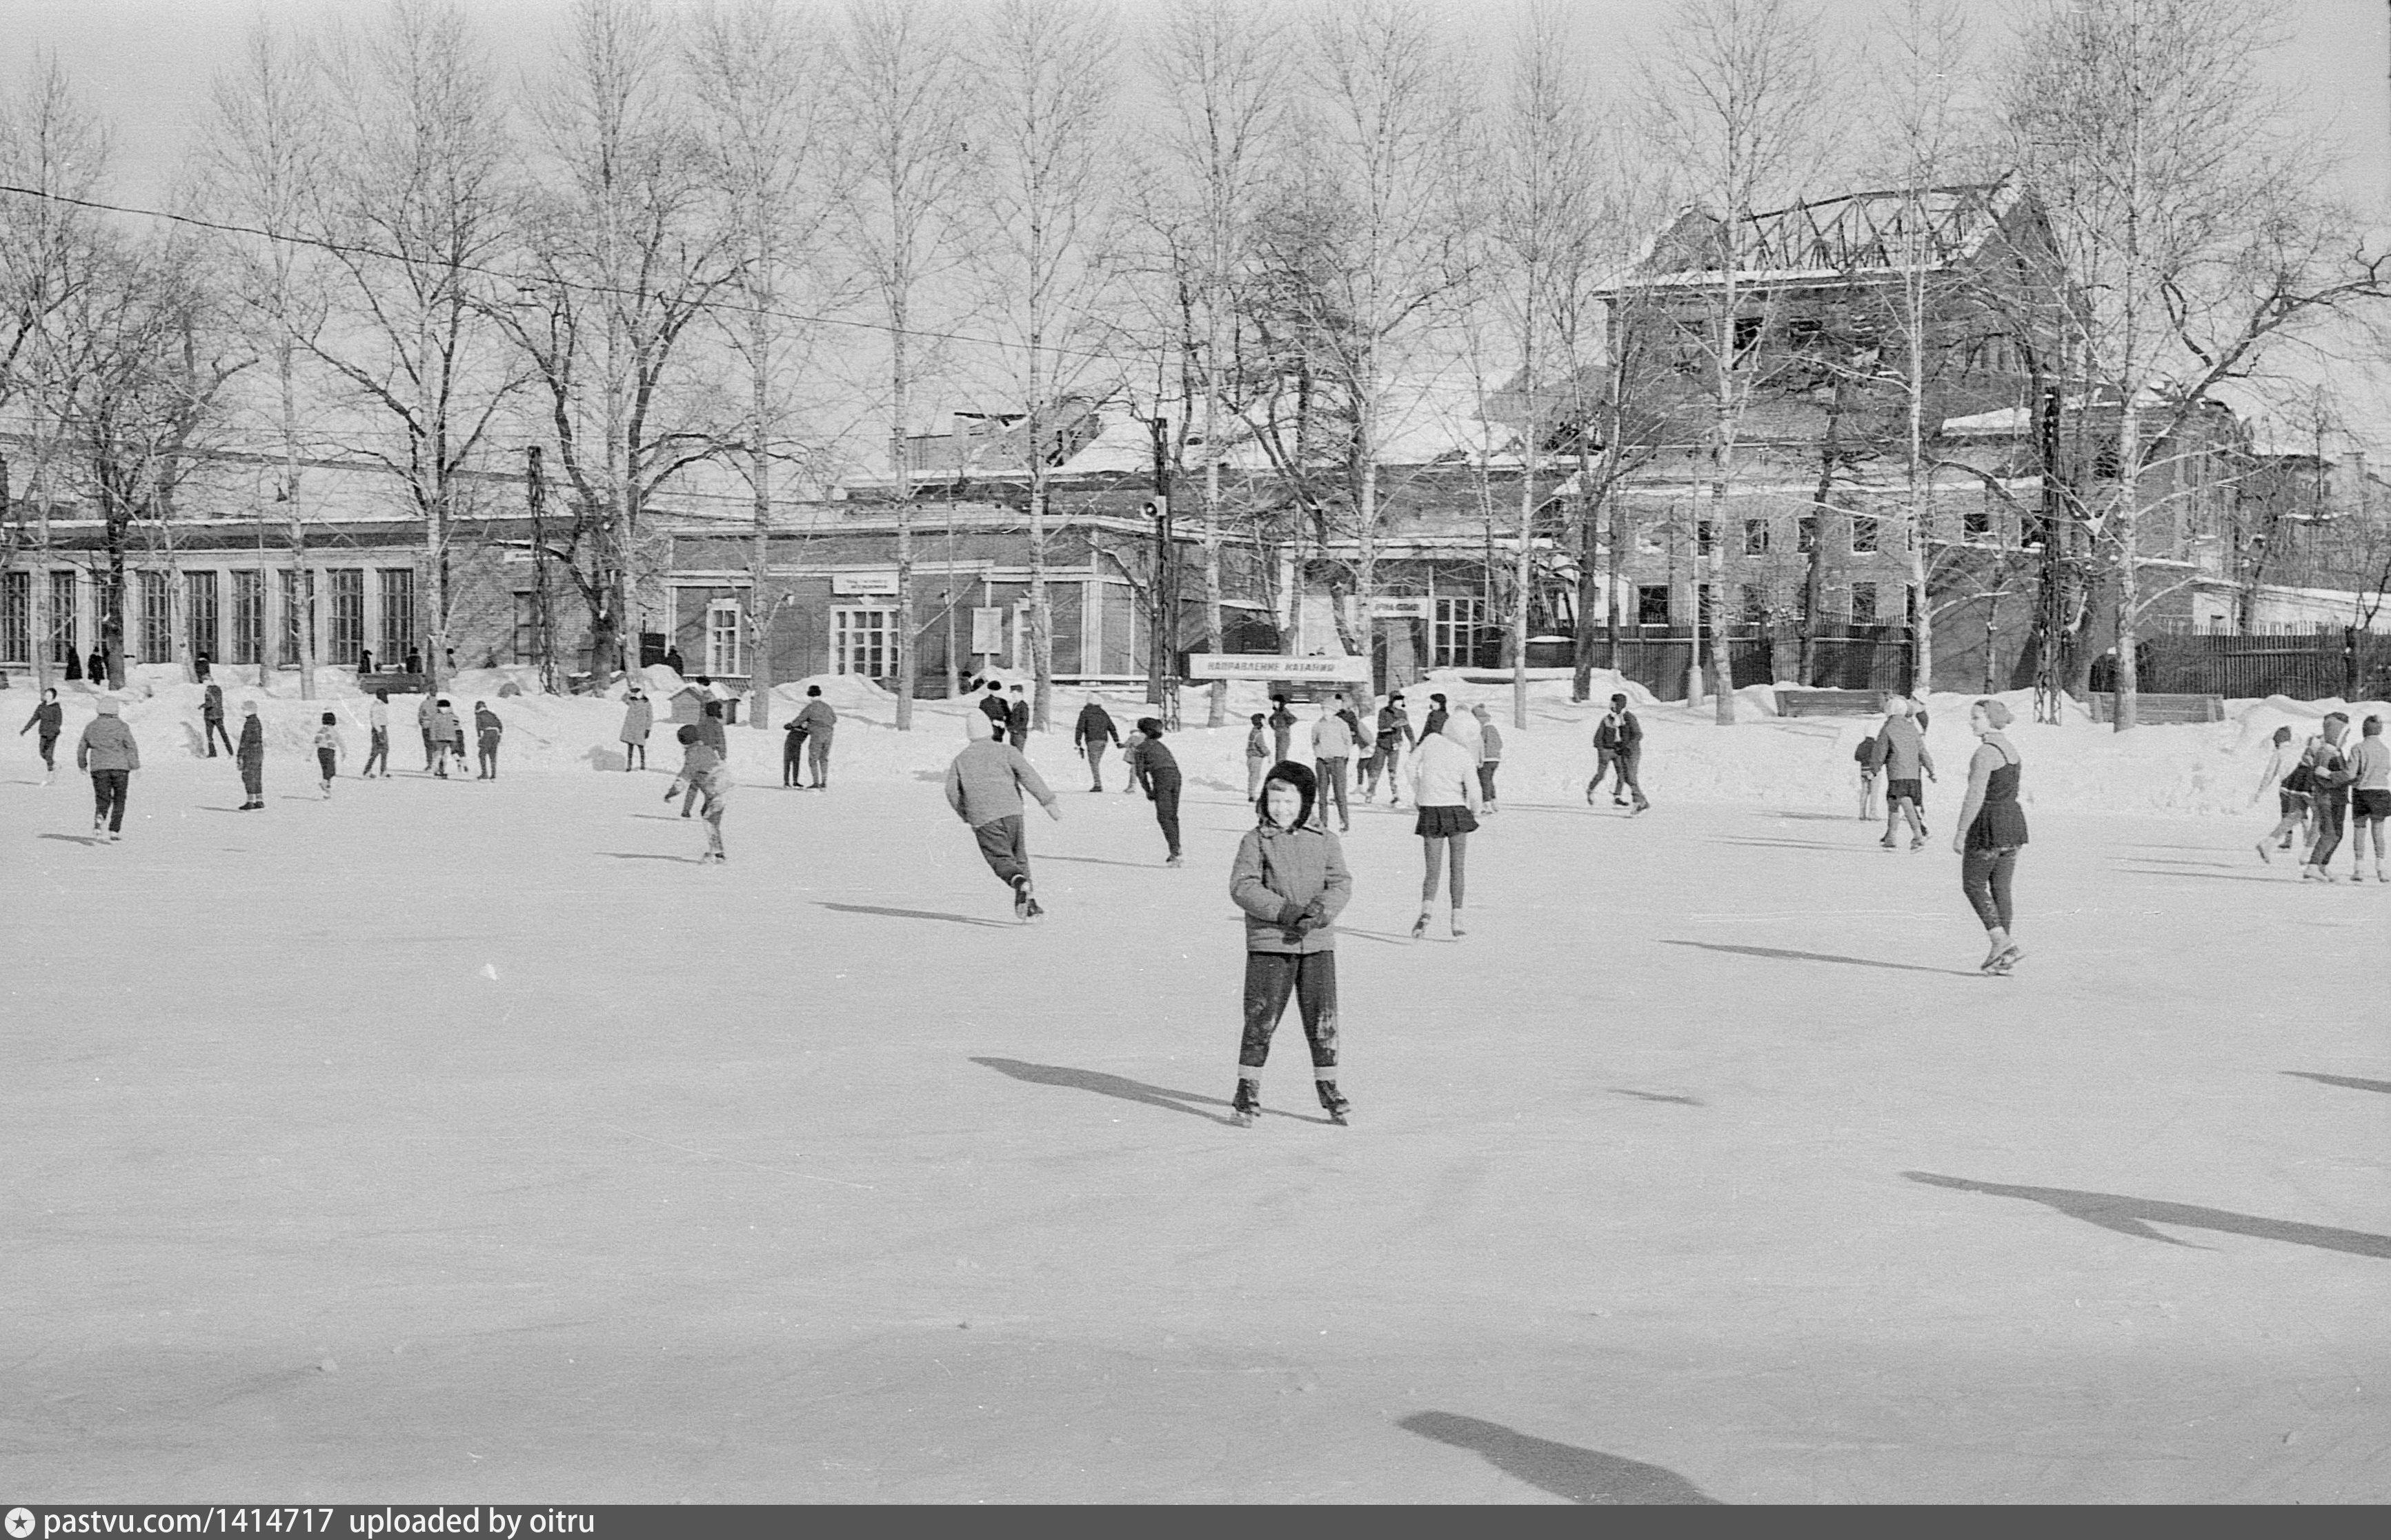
x,y
2129,596
905,628
286,366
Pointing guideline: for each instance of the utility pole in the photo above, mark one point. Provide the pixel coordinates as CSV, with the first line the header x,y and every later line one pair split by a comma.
x,y
1164,590
543,630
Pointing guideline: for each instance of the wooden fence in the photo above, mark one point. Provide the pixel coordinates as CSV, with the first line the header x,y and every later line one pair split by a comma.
x,y
2311,665
1862,657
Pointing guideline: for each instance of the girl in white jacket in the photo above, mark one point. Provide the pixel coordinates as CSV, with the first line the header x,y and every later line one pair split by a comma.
x,y
1444,779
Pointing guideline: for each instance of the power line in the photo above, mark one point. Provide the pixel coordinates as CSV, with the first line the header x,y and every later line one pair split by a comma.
x,y
520,280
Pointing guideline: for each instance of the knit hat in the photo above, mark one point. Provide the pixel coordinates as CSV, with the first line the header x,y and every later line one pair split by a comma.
x,y
249,706
107,705
1299,776
977,727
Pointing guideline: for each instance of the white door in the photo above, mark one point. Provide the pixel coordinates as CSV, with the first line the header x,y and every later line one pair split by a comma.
x,y
859,642
723,653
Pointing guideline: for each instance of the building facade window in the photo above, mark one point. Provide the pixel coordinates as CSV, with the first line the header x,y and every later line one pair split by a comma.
x,y
1704,533
397,614
529,645
859,642
724,655
1805,533
1652,604
1864,604
63,635
1866,533
200,612
1755,537
1976,520
348,614
298,610
157,617
16,617
1452,632
1755,604
246,644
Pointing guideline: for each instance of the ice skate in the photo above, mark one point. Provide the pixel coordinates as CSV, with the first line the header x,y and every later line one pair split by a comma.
x,y
1918,842
2264,854
1037,910
2008,957
1419,927
1176,861
1333,1102
1021,898
1457,931
1249,1103
115,835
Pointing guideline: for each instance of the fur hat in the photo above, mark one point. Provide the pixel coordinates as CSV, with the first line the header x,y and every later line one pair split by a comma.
x,y
107,705
1299,775
688,732
977,727
1150,726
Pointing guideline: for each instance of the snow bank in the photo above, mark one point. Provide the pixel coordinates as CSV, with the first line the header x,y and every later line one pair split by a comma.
x,y
1764,761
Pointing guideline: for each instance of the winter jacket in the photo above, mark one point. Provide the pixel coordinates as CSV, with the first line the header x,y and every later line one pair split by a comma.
x,y
446,728
2328,765
638,717
1283,876
486,722
1901,750
1619,731
1094,729
1393,723
1282,722
49,717
1156,761
1436,718
212,704
709,732
1017,721
1331,738
1352,722
702,767
986,781
818,720
107,745
993,708
252,740
426,713
2371,763
378,716
1444,774
329,737
1258,743
1489,744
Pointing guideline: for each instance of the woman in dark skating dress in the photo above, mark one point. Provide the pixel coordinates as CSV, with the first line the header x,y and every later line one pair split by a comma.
x,y
1992,831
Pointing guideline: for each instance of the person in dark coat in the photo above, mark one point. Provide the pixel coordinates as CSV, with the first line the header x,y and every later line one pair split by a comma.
x,y
1393,737
251,757
74,665
1290,879
1619,745
710,733
47,720
1437,710
365,663
96,669
200,663
109,753
1091,735
1016,720
1282,727
992,706
792,752
487,730
212,724
673,659
1158,768
414,660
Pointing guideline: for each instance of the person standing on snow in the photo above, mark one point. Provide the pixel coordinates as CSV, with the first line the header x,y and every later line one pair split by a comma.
x,y
1282,727
425,715
639,716
793,753
1490,754
377,736
251,757
487,730
212,727
328,748
448,737
1158,769
1901,753
1444,790
1257,760
48,721
702,770
1394,736
1992,831
1091,733
991,706
1332,758
1438,710
108,751
2370,796
984,786
2329,778
820,721
1290,880
1619,748
1016,720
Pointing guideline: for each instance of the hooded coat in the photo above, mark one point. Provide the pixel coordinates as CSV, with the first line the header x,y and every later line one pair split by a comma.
x,y
1292,883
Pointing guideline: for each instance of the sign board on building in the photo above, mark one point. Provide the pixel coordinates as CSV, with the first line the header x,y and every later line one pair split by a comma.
x,y
1230,665
1394,608
860,585
988,631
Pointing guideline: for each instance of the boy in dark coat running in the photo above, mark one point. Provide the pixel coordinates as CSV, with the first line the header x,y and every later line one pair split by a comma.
x,y
49,718
1158,769
1090,735
984,786
1290,880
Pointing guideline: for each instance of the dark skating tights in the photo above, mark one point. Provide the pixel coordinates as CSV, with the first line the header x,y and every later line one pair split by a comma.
x,y
1434,844
1985,878
1166,809
1270,977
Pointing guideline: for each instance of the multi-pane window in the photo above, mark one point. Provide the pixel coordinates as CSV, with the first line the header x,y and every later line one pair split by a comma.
x,y
248,641
16,617
397,613
723,653
859,642
1704,533
1652,604
62,616
348,614
1452,632
1866,533
1755,537
1805,533
298,610
1864,604
200,612
157,617
1976,520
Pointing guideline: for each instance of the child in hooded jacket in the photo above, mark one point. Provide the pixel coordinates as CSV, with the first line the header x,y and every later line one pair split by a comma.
x,y
1291,881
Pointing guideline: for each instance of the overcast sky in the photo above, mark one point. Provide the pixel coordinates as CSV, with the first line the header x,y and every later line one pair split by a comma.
x,y
149,61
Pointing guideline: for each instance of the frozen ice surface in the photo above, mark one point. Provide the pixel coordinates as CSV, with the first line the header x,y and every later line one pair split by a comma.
x,y
1705,1168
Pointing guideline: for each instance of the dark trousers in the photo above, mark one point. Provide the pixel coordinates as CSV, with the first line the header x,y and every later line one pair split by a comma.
x,y
1626,760
1331,774
1166,808
489,756
631,750
427,747
1486,779
1270,977
1985,878
2331,821
49,752
108,788
253,778
1095,752
792,756
214,732
1005,845
377,750
324,762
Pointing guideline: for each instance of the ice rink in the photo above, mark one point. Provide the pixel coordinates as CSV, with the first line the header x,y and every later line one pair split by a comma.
x,y
449,1141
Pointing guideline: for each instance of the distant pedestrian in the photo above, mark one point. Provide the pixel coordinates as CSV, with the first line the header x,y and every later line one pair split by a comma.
x,y
211,719
1090,735
1865,757
1394,734
1282,727
704,773
1619,750
711,733
108,751
377,736
1991,832
2370,796
200,667
328,750
1490,753
448,738
2287,772
984,786
1158,768
487,730
1438,710
1901,753
991,706
1257,760
1016,719
96,669
2329,778
822,726
792,754
639,716
251,757
415,661
48,721
672,660
1332,763
1289,878
426,715
365,663
1444,790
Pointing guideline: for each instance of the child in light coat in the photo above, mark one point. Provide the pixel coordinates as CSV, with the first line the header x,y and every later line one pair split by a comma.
x,y
702,770
328,750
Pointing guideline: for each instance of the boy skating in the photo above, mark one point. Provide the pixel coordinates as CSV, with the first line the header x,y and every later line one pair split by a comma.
x,y
1290,879
108,751
1158,769
1619,752
984,786
1091,735
44,724
328,748
703,772
1901,753
2370,797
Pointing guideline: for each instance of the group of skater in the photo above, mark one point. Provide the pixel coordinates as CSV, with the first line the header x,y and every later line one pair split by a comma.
x,y
2330,784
